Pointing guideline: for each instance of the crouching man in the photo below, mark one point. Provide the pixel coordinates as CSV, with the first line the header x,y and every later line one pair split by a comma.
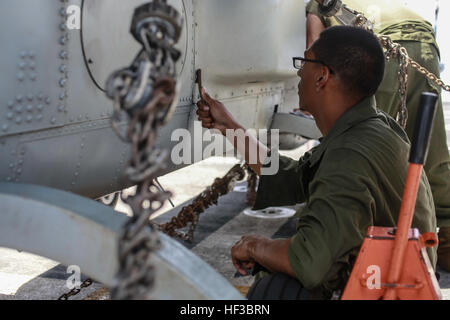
x,y
352,180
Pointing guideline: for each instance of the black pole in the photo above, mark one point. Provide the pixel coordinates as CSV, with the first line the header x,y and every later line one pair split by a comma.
x,y
423,127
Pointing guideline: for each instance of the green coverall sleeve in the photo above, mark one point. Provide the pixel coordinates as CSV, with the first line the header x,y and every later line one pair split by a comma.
x,y
285,187
336,218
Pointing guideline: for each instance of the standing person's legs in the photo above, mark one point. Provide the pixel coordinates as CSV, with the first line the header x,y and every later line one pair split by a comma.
x,y
437,166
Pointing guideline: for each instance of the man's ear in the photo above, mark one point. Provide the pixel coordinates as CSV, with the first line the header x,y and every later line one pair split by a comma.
x,y
322,78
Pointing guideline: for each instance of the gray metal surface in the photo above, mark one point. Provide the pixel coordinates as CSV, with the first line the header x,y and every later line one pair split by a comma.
x,y
101,17
297,124
77,231
54,118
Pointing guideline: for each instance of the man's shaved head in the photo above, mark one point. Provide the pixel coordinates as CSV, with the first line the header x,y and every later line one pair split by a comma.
x,y
355,55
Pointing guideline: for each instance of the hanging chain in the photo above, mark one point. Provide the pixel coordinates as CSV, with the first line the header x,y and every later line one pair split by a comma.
x,y
144,95
431,76
393,50
396,50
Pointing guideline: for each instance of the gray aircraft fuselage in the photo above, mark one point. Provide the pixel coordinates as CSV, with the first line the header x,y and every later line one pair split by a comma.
x,y
55,119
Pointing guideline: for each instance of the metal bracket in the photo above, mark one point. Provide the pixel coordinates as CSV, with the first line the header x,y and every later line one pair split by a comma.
x,y
271,213
78,231
297,124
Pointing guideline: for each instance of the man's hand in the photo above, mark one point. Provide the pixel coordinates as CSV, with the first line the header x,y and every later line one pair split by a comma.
x,y
241,253
272,254
214,115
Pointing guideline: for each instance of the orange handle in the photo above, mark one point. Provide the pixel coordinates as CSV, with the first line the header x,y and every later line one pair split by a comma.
x,y
418,154
404,223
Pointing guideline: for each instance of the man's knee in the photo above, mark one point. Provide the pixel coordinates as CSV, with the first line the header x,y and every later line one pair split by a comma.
x,y
279,286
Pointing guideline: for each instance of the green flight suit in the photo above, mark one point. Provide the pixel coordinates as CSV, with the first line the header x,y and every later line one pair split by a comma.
x,y
352,180
417,36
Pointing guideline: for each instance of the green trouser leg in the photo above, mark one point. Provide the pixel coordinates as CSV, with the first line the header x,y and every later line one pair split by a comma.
x,y
437,166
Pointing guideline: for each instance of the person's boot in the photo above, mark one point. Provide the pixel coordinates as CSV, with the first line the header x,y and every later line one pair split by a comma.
x,y
443,250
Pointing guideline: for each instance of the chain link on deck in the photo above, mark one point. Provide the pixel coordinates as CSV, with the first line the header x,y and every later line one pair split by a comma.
x,y
252,183
86,283
190,214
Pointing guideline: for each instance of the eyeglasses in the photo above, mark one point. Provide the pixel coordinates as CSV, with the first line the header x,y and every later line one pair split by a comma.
x,y
299,63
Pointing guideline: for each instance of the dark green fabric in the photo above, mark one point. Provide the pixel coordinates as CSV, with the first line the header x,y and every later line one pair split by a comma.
x,y
390,18
412,31
352,180
437,165
417,36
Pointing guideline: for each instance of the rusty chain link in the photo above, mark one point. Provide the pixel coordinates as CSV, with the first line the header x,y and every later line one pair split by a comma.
x,y
190,214
252,183
145,94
